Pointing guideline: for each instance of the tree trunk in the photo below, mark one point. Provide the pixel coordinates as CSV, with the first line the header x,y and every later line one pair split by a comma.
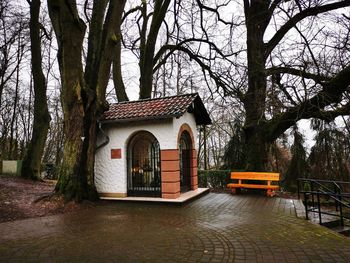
x,y
32,161
83,95
254,100
147,48
70,31
13,139
117,72
257,151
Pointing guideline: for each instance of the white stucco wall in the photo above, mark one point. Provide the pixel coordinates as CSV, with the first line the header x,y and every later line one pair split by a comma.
x,y
111,174
11,167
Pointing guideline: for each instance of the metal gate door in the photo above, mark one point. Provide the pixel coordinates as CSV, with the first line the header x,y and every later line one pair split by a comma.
x,y
144,178
185,157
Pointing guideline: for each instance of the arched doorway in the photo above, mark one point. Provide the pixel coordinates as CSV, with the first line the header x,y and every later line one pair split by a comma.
x,y
185,147
144,174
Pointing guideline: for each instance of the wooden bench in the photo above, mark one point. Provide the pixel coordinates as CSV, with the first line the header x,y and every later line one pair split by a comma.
x,y
268,178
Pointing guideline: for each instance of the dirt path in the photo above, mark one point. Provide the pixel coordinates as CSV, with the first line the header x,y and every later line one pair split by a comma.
x,y
18,196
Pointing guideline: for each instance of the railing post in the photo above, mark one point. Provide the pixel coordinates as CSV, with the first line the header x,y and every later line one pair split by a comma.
x,y
312,193
336,191
341,211
319,208
306,209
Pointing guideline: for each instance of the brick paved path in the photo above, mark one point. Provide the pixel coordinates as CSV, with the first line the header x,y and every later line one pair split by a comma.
x,y
214,228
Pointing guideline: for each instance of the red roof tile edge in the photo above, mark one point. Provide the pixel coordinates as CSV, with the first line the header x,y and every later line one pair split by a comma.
x,y
156,108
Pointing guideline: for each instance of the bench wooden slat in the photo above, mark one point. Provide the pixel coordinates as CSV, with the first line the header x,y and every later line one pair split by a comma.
x,y
255,186
255,176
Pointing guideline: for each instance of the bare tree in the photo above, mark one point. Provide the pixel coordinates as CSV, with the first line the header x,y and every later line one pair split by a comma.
x,y
259,131
13,48
282,85
32,162
168,45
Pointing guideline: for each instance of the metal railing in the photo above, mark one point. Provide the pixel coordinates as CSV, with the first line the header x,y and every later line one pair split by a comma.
x,y
336,191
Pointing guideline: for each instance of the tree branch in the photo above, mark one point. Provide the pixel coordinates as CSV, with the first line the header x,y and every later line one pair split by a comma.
x,y
331,93
205,68
297,72
272,8
165,48
312,11
214,10
132,10
332,114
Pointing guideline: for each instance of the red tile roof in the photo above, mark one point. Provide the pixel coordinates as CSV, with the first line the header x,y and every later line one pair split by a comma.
x,y
158,108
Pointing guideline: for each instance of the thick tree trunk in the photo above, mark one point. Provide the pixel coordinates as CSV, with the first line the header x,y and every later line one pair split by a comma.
x,y
83,95
257,150
118,82
117,72
147,48
76,173
99,65
70,31
32,161
254,100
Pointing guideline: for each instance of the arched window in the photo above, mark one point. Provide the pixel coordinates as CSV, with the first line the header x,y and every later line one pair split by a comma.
x,y
144,175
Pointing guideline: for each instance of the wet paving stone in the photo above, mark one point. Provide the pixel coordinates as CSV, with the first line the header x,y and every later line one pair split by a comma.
x,y
214,228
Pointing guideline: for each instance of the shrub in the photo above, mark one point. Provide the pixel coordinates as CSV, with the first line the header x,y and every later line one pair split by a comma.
x,y
213,178
50,171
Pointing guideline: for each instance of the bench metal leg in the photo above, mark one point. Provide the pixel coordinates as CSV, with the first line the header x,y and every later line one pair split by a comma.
x,y
270,193
235,190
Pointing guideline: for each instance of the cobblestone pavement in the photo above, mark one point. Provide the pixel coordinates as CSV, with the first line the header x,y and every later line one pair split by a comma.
x,y
214,228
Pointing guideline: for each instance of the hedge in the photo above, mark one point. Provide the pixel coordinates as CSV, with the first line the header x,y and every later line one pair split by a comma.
x,y
213,178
